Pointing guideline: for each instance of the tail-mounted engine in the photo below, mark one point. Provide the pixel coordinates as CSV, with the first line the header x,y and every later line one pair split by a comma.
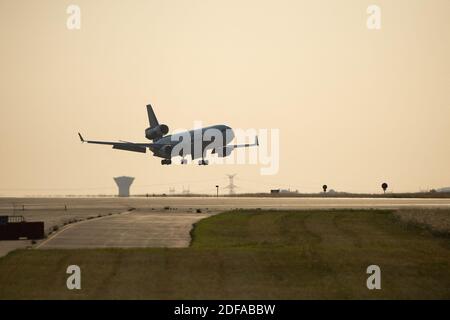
x,y
156,132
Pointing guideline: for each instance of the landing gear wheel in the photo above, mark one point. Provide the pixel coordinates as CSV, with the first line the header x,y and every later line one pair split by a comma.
x,y
166,161
203,162
183,161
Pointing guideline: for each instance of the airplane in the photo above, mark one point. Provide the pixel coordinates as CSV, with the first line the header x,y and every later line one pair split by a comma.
x,y
163,144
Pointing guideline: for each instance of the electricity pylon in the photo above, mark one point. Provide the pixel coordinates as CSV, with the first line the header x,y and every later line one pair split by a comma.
x,y
231,186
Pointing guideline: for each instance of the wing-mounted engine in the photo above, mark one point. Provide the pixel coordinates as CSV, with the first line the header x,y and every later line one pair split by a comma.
x,y
157,132
166,149
164,152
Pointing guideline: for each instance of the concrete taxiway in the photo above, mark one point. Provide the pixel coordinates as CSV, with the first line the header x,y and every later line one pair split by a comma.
x,y
128,230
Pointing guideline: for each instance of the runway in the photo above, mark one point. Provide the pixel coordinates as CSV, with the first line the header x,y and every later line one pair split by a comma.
x,y
108,204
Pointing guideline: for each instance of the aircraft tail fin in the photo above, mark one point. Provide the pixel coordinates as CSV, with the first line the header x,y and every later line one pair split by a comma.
x,y
151,117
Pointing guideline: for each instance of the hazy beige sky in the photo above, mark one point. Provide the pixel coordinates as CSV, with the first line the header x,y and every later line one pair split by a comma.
x,y
355,107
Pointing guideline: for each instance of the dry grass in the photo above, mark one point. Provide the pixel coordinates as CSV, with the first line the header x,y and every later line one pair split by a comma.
x,y
437,220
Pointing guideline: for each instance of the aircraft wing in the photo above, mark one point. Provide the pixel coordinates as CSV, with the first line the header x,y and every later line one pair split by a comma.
x,y
124,145
233,146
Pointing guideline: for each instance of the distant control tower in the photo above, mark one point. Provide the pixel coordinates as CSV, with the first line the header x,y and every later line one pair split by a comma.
x,y
124,184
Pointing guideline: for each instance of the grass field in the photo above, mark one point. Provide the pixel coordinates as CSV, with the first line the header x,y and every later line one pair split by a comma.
x,y
251,255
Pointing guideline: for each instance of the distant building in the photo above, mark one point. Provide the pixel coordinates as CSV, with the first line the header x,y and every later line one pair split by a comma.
x,y
124,184
283,191
443,189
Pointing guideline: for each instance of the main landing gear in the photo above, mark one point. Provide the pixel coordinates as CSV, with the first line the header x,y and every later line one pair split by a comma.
x,y
166,161
202,162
